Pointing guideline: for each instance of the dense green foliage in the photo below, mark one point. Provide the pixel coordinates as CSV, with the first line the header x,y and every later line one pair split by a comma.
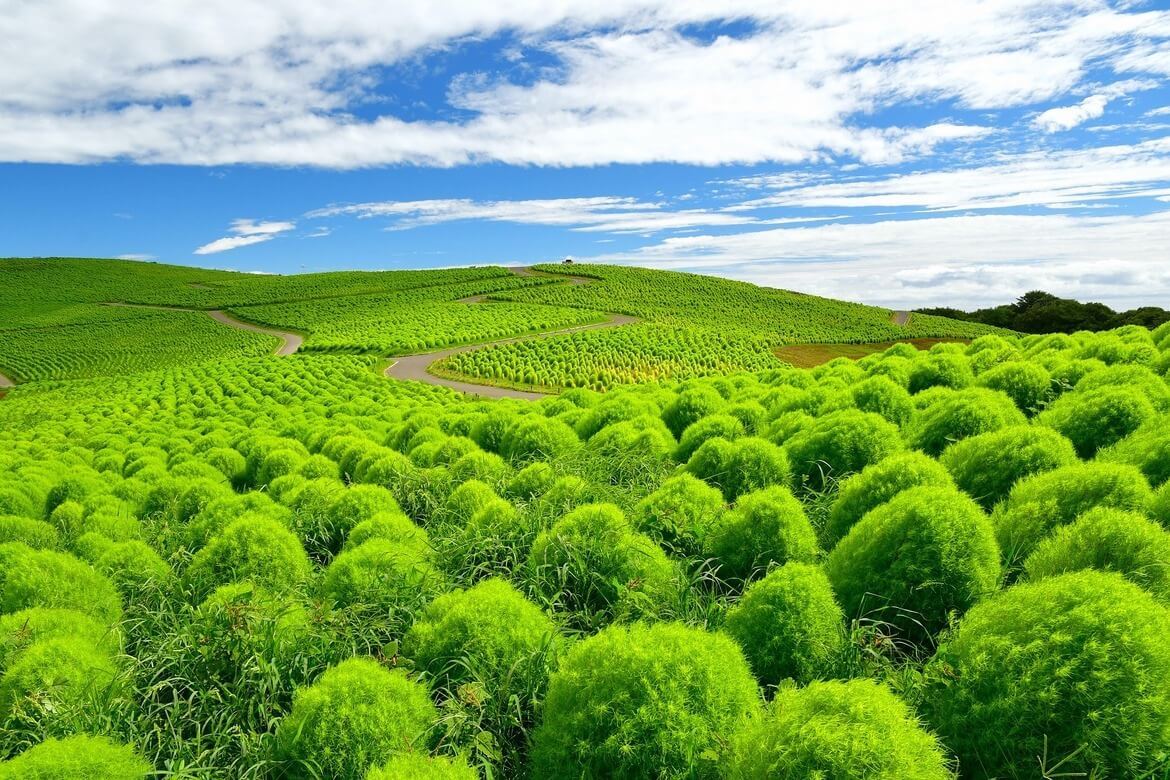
x,y
76,758
642,702
265,568
856,730
1066,673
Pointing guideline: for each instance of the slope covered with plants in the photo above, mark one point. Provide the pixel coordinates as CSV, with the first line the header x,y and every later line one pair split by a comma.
x,y
921,564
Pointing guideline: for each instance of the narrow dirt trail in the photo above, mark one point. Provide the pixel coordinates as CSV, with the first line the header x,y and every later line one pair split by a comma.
x,y
6,382
416,367
901,318
289,342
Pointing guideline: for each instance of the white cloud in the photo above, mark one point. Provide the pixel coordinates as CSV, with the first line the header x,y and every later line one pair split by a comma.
x,y
1012,181
955,260
605,214
1068,117
221,82
247,232
137,256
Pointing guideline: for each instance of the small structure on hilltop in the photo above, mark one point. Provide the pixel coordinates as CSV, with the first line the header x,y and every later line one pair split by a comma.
x,y
567,261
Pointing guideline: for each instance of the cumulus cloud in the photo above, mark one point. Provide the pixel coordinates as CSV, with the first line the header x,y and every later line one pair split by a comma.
x,y
245,233
1068,117
628,81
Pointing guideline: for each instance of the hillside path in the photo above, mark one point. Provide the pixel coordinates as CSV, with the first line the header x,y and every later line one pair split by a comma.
x,y
289,342
415,367
901,318
6,382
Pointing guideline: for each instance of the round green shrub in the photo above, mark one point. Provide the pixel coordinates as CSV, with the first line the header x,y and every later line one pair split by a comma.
x,y
986,466
680,513
883,396
52,683
20,630
789,624
642,702
1107,540
1140,378
712,426
488,634
1029,385
43,578
35,533
741,466
1159,506
1098,418
593,563
79,757
355,716
751,414
1148,448
243,621
617,408
628,453
494,541
926,554
391,526
1042,502
134,568
840,443
951,371
690,406
538,438
876,485
768,526
417,766
960,415
255,549
855,730
1072,668
531,481
383,577
356,505
484,466
466,500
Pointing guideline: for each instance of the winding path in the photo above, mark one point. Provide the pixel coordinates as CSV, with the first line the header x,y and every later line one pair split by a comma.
x,y
289,342
415,367
6,382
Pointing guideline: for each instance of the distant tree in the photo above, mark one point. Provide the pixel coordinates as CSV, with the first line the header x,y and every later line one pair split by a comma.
x,y
1037,311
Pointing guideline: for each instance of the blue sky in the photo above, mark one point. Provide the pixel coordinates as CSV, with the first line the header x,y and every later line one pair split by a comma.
x,y
903,153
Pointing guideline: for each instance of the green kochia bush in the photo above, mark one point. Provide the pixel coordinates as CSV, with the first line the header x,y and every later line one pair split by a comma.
x,y
680,513
768,526
1028,384
713,426
417,766
876,485
77,758
642,702
881,395
986,466
926,554
1042,502
487,633
1098,418
1108,540
840,443
741,466
855,730
690,406
22,629
538,438
940,371
256,549
1148,448
43,578
961,415
383,578
592,562
789,624
35,533
355,716
1071,669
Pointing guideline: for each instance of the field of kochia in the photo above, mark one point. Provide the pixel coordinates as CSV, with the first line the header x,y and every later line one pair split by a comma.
x,y
917,565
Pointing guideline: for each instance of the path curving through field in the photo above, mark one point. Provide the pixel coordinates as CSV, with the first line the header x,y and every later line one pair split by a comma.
x,y
289,342
416,367
900,318
5,382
